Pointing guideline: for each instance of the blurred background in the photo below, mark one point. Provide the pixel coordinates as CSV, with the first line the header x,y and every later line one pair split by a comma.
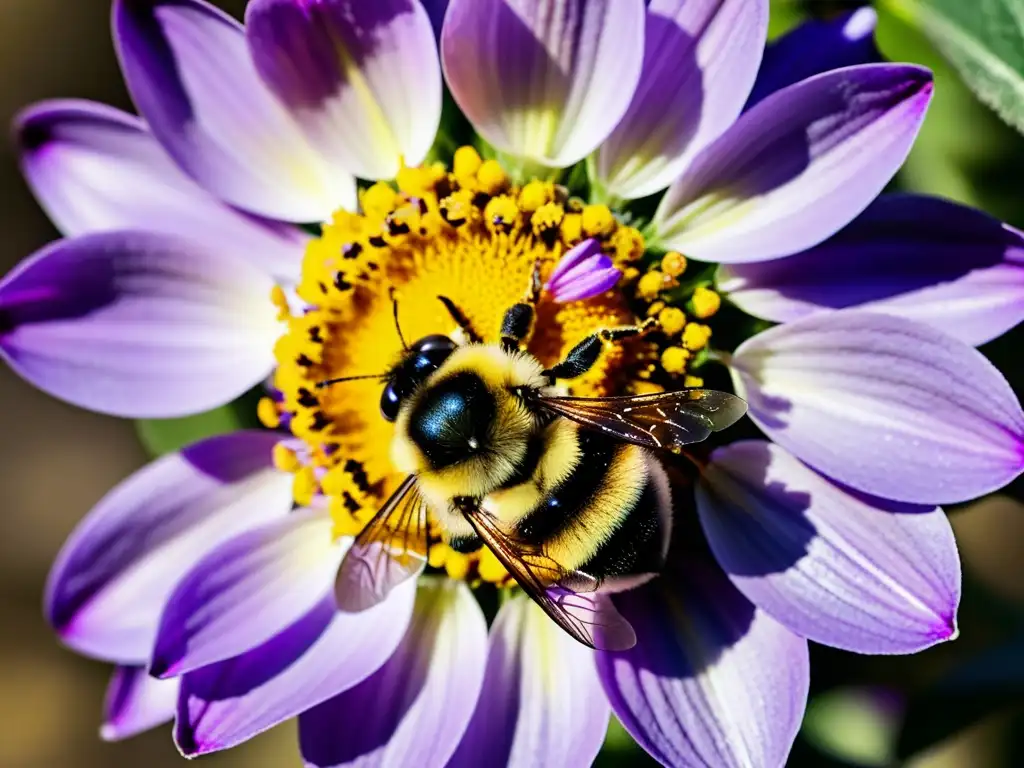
x,y
956,705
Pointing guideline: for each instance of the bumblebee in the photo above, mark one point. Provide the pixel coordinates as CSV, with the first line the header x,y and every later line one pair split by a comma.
x,y
565,491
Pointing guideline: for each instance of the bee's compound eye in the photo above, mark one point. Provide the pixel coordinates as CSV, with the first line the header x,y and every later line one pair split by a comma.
x,y
422,359
432,350
390,402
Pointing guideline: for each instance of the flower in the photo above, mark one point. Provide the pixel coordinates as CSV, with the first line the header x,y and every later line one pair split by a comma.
x,y
207,577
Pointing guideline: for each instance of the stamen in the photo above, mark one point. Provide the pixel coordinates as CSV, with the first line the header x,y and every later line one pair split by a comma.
x,y
673,264
696,336
268,414
672,321
705,302
674,359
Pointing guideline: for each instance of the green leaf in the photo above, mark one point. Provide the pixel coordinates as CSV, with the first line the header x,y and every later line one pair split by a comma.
x,y
160,436
783,16
852,724
983,40
620,750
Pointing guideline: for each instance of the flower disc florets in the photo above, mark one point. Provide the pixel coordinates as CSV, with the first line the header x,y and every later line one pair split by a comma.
x,y
474,237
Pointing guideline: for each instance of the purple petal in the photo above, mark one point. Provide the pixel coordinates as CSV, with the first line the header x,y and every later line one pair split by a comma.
x,y
542,703
321,655
700,60
583,272
817,46
886,405
362,79
588,284
414,709
111,579
836,567
574,257
138,324
189,72
712,681
136,702
246,591
798,166
96,169
944,264
547,80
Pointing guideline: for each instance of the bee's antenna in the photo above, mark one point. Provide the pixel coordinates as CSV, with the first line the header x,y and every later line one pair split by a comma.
x,y
322,384
394,309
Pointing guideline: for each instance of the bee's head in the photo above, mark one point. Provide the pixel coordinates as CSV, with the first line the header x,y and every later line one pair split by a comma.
x,y
419,361
465,431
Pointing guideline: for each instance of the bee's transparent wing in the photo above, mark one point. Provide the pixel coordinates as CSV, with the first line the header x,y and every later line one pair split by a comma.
x,y
568,597
664,420
391,549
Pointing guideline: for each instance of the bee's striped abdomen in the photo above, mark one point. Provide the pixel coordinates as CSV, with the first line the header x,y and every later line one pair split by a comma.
x,y
559,510
608,516
640,542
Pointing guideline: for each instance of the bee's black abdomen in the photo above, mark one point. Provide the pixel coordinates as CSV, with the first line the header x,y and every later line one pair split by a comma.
x,y
565,504
452,421
609,516
636,546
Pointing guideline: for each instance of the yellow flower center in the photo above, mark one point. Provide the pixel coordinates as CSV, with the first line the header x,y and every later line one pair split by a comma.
x,y
473,237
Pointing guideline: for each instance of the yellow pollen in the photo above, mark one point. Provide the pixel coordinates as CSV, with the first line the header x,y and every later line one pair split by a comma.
x,y
471,236
655,309
674,359
490,568
647,388
547,219
673,263
285,459
457,566
491,178
304,486
534,195
705,302
628,244
279,300
378,200
672,321
502,214
458,208
693,381
345,525
466,163
696,336
572,228
652,283
419,181
267,413
598,221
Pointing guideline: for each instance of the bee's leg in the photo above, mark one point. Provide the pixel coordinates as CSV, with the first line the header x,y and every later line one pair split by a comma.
x,y
582,357
461,320
516,327
518,322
